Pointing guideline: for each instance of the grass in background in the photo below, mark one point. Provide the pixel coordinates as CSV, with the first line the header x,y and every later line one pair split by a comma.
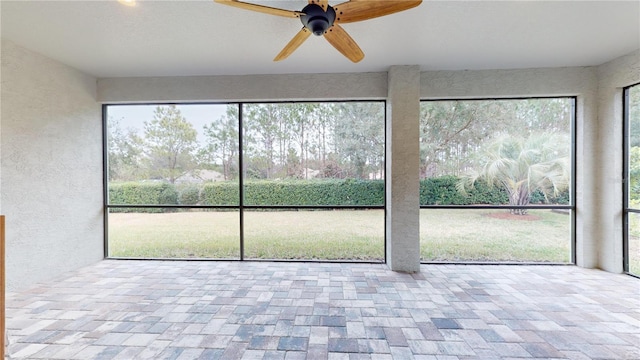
x,y
175,235
483,235
447,235
318,235
634,255
634,243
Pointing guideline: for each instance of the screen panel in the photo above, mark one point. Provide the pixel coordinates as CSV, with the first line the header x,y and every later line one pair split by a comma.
x,y
341,235
500,163
170,233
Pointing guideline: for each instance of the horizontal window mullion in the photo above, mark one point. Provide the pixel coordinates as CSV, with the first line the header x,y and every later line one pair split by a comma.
x,y
121,206
155,206
311,207
506,207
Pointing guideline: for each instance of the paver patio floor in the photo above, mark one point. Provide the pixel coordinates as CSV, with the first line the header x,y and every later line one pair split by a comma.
x,y
268,310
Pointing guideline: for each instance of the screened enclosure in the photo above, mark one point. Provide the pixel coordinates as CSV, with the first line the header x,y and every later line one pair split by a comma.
x,y
285,181
497,180
631,191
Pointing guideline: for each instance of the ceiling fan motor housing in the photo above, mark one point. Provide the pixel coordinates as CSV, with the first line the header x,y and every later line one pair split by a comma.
x,y
316,19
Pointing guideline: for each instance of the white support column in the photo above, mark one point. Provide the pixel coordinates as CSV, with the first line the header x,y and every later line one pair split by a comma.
x,y
605,247
402,169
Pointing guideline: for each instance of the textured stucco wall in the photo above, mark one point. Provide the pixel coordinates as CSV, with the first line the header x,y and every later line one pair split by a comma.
x,y
612,76
580,82
51,166
403,162
361,86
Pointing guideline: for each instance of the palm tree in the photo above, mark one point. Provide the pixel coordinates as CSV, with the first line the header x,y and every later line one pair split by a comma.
x,y
521,166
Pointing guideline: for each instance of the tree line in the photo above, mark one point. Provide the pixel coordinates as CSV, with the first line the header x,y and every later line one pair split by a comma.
x,y
454,133
289,140
521,145
634,145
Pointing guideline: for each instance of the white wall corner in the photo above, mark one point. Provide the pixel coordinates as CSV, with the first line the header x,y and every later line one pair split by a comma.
x,y
613,76
51,147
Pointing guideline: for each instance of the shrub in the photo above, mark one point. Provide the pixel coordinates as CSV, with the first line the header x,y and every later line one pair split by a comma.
x,y
318,192
142,193
297,192
442,191
220,193
563,198
188,194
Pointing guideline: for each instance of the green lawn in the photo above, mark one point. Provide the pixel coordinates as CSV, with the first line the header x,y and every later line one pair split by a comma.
x,y
325,235
174,235
634,243
634,255
447,235
481,235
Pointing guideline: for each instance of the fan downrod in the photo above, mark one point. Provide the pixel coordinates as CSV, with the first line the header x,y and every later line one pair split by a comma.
x,y
316,19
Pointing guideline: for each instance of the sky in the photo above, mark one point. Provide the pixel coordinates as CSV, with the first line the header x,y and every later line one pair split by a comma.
x,y
133,116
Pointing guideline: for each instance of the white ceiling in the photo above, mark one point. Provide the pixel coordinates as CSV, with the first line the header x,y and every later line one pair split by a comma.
x,y
173,38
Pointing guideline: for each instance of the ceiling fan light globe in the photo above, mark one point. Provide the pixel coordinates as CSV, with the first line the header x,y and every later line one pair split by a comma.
x,y
318,26
317,19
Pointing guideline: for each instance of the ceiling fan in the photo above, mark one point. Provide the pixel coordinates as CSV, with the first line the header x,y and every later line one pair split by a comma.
x,y
321,19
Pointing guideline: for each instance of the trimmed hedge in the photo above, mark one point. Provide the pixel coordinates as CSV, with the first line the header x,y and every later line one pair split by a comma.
x,y
433,191
442,191
296,192
142,193
315,192
220,193
188,194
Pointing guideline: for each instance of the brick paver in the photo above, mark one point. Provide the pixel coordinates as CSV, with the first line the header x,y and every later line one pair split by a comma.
x,y
262,310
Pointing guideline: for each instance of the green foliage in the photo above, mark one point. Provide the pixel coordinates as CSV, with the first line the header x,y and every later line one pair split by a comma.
x,y
124,151
142,193
562,198
433,191
451,132
188,194
634,116
220,193
170,144
297,192
523,166
297,140
221,143
291,140
359,134
634,145
348,192
634,174
442,191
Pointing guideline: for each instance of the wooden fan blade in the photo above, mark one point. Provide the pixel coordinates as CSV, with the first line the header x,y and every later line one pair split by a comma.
x,y
358,10
322,3
261,8
297,40
340,40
